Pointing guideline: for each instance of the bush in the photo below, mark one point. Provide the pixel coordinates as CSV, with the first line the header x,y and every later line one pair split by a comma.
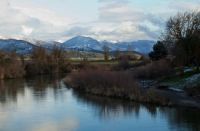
x,y
124,63
159,51
1,72
10,66
154,96
153,70
14,69
107,83
193,91
44,62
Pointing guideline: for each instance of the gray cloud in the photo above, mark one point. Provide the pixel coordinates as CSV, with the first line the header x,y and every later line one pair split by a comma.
x,y
116,12
114,1
149,32
117,20
77,30
17,22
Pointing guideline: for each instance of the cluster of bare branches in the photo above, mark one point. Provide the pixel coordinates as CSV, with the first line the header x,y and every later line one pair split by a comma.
x,y
182,37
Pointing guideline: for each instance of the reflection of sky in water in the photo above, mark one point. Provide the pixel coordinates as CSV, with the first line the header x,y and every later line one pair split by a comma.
x,y
46,105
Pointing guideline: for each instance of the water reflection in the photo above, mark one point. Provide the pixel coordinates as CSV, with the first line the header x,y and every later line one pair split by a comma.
x,y
107,108
46,100
178,118
184,119
10,89
39,86
44,84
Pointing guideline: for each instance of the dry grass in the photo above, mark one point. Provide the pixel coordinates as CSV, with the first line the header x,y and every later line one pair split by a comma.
x,y
10,66
102,81
107,83
193,91
153,70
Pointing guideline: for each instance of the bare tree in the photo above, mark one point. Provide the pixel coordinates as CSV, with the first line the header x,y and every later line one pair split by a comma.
x,y
40,61
10,65
106,52
117,54
182,26
57,58
182,37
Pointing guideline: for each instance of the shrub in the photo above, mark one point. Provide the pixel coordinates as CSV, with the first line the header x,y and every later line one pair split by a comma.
x,y
101,82
11,65
1,72
193,91
44,62
159,51
124,63
14,69
153,70
156,97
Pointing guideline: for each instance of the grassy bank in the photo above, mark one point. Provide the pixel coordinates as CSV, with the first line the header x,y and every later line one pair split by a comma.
x,y
115,84
107,83
126,84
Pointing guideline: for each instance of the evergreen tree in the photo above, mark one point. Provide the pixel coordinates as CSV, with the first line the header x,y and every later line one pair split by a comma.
x,y
159,51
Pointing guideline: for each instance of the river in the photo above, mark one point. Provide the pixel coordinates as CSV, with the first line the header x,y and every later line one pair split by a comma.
x,y
47,104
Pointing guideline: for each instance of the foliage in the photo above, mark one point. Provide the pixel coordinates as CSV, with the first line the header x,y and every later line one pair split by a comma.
x,y
123,63
44,62
182,37
193,91
159,51
106,52
10,65
156,69
107,83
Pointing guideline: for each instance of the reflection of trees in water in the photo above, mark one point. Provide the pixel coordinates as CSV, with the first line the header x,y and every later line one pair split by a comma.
x,y
178,118
9,89
43,85
183,118
110,107
39,86
105,108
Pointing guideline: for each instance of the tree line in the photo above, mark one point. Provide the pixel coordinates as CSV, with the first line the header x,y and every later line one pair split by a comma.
x,y
41,61
180,41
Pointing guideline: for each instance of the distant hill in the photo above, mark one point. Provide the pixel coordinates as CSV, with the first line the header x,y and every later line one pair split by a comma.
x,y
19,46
49,45
90,44
82,43
79,43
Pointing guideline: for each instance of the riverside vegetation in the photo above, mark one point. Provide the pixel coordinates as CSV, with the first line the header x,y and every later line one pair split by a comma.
x,y
39,62
145,81
141,79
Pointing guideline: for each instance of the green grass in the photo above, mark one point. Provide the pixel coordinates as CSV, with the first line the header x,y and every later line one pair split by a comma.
x,y
176,78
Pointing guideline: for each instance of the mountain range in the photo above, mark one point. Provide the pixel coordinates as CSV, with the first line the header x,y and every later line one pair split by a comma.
x,y
19,46
80,43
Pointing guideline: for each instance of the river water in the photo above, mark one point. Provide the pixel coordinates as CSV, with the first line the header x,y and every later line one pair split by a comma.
x,y
46,104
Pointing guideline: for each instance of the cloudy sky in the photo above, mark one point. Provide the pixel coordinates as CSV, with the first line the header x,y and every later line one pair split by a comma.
x,y
114,20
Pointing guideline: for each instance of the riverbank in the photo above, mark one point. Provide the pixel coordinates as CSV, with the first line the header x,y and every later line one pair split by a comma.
x,y
123,85
46,102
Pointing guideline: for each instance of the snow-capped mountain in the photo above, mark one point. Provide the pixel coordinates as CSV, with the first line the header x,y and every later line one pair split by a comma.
x,y
19,46
49,45
143,46
82,43
79,43
90,44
